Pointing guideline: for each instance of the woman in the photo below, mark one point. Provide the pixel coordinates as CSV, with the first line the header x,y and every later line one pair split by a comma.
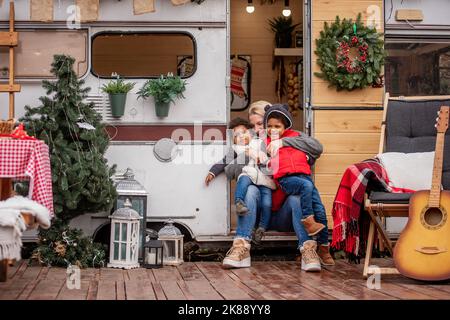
x,y
288,217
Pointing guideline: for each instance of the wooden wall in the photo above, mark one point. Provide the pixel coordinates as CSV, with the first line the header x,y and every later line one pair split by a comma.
x,y
326,10
251,35
352,134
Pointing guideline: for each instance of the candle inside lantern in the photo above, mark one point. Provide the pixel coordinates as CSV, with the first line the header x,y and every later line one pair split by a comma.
x,y
151,258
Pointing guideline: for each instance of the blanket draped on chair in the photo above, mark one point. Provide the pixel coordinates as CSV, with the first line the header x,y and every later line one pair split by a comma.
x,y
12,224
348,203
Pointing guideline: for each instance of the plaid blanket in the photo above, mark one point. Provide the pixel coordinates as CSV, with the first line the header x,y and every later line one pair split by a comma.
x,y
350,227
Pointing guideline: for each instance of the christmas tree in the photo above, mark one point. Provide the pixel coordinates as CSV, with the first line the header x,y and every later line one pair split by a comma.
x,y
77,141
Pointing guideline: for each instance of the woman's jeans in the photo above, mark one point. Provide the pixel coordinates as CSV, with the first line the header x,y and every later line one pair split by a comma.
x,y
243,183
302,185
288,218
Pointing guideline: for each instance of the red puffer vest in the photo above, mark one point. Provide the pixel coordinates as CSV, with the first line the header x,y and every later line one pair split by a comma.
x,y
288,160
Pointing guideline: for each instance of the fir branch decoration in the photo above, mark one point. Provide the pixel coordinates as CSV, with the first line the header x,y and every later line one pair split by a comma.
x,y
338,67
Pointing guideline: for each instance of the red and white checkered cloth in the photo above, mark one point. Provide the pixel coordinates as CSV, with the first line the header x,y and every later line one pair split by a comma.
x,y
29,159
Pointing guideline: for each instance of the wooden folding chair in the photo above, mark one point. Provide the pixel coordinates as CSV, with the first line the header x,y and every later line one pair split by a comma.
x,y
382,205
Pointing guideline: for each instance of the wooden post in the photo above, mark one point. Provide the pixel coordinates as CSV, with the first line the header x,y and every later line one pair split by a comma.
x,y
5,193
3,270
11,62
10,39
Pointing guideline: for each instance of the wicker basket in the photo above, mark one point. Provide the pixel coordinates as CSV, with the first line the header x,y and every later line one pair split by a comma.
x,y
6,126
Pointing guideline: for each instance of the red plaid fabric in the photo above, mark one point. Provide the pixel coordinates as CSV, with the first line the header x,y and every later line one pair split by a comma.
x,y
349,201
28,159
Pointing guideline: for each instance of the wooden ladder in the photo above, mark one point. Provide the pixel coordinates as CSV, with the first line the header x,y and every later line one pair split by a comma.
x,y
8,39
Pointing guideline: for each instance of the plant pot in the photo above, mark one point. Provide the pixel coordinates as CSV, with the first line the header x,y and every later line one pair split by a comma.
x,y
162,109
117,102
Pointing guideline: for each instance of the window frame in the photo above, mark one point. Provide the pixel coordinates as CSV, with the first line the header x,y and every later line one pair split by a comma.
x,y
92,71
33,28
408,37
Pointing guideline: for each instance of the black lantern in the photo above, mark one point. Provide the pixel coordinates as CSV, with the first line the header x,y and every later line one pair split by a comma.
x,y
152,252
128,188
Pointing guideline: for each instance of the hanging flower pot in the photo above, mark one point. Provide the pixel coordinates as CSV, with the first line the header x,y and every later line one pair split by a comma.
x,y
117,91
164,90
162,109
117,102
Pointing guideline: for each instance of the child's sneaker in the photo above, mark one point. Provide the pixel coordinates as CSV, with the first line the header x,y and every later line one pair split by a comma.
x,y
241,209
324,255
311,226
259,233
239,255
310,259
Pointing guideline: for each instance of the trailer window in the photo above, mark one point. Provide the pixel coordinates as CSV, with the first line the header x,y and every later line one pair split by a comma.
x,y
417,67
143,55
34,54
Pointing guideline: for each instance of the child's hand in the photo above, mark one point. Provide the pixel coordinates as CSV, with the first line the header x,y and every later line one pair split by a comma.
x,y
273,146
209,178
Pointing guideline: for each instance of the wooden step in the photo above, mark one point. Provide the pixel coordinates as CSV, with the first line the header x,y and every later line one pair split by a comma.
x,y
9,39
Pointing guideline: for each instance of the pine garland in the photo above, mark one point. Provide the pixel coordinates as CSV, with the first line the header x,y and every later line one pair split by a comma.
x,y
63,246
338,67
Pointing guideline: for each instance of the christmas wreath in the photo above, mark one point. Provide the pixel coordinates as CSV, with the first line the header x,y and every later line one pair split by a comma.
x,y
350,55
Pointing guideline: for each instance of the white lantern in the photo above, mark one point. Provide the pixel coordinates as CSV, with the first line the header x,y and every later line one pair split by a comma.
x,y
124,245
172,240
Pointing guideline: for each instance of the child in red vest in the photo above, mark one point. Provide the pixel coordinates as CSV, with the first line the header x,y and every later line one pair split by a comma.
x,y
291,169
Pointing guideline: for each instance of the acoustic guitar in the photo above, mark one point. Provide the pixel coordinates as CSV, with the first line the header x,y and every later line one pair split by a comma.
x,y
422,251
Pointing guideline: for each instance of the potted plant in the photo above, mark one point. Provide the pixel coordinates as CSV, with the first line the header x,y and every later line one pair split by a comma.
x,y
117,91
283,28
164,90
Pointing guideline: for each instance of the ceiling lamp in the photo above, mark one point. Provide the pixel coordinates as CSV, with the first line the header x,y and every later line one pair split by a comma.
x,y
250,8
286,11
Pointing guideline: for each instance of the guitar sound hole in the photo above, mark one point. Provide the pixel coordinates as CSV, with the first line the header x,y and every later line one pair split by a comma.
x,y
433,216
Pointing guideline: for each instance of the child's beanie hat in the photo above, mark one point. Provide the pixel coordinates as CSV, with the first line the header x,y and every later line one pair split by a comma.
x,y
281,109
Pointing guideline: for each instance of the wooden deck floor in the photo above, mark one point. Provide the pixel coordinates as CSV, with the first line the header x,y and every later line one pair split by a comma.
x,y
207,280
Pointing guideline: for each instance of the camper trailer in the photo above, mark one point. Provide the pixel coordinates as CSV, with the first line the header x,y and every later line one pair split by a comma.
x,y
205,43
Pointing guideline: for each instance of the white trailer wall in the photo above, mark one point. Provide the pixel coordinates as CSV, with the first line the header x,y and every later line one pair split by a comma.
x,y
176,189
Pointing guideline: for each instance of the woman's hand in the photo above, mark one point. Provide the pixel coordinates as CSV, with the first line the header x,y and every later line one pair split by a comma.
x,y
209,178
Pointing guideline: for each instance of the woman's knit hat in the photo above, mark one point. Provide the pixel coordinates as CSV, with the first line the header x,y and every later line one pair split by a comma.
x,y
282,109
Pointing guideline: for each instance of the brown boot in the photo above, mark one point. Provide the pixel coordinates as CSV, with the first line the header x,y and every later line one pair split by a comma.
x,y
311,226
324,255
